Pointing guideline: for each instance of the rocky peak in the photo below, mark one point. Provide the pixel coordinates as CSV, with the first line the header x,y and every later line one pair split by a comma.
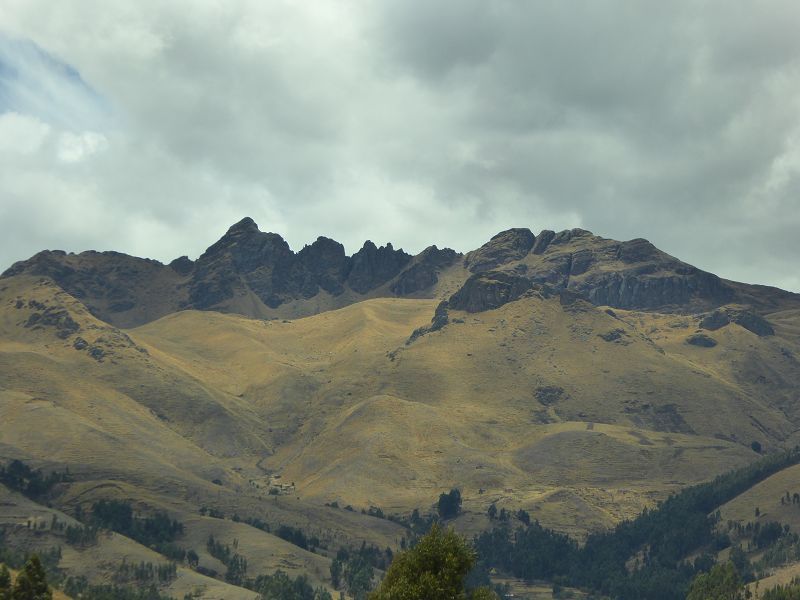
x,y
638,250
327,262
324,251
563,237
182,265
506,246
424,273
371,266
246,225
248,246
631,275
543,240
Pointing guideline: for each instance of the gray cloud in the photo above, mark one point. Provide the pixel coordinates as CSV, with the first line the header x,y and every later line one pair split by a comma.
x,y
404,121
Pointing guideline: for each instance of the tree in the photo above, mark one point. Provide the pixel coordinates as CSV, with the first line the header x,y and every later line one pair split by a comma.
x,y
492,511
449,504
279,586
31,582
721,583
5,582
192,558
435,569
336,573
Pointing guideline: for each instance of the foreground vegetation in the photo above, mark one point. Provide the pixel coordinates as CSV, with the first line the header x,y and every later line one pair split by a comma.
x,y
656,543
642,558
435,569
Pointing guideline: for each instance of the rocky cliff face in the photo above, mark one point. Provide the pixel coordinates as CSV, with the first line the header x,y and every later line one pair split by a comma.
x,y
245,266
630,275
492,289
371,266
254,272
121,289
424,273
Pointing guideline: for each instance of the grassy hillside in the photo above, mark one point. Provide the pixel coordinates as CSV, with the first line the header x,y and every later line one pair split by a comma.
x,y
580,415
499,402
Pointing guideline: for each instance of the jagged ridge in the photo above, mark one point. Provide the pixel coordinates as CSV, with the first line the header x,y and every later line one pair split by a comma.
x,y
257,274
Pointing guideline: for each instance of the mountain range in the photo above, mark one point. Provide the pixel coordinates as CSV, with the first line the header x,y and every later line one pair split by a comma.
x,y
579,378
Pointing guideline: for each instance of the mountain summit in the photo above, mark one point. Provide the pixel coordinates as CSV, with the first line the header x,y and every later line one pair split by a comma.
x,y
257,274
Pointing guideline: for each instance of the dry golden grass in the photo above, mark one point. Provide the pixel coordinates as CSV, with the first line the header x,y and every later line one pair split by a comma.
x,y
364,419
340,405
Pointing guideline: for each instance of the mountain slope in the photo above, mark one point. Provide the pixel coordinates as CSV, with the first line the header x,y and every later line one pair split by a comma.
x,y
496,401
504,373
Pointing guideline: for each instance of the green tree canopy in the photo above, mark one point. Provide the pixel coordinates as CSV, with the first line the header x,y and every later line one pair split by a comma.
x,y
449,505
31,583
434,569
721,583
783,592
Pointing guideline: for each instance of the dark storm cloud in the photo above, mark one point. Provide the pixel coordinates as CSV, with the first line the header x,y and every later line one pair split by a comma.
x,y
412,122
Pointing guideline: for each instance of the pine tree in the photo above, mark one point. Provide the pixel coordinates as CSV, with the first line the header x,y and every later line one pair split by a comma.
x,y
31,582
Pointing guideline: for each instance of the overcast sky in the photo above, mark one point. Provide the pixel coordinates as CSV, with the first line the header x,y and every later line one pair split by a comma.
x,y
149,127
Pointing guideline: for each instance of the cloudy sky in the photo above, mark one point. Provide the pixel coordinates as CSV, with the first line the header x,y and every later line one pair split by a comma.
x,y
149,127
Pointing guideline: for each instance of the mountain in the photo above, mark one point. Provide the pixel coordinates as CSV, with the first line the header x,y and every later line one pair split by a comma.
x,y
256,274
247,271
575,377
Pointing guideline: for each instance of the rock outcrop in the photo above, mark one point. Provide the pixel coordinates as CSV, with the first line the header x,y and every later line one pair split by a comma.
x,y
701,340
489,290
638,289
503,248
742,316
118,288
629,275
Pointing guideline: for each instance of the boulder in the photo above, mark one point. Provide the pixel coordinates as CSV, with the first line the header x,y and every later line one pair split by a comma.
x,y
701,340
752,322
715,320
